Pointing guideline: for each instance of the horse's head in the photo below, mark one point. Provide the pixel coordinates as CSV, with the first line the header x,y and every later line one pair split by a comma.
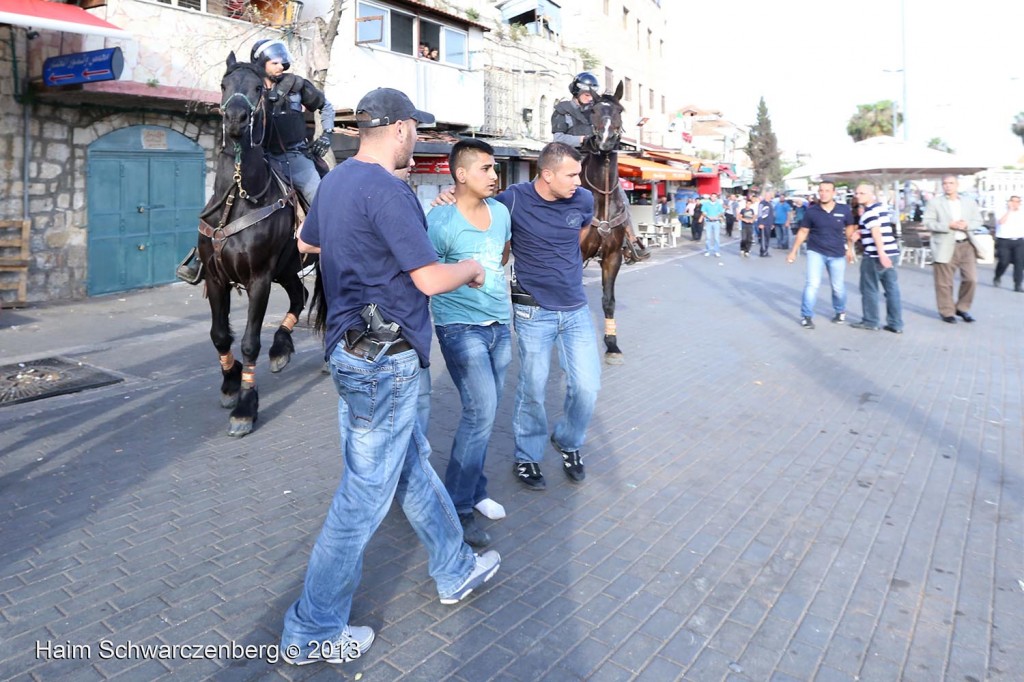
x,y
241,97
606,117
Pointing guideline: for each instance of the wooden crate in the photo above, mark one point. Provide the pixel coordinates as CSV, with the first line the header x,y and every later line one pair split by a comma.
x,y
14,260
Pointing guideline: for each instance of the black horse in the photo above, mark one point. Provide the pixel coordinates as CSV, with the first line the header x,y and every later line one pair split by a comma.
x,y
247,241
604,237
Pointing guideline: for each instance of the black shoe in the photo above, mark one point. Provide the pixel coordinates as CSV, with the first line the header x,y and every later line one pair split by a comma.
x,y
472,533
839,318
529,475
1019,289
995,282
894,330
864,325
966,317
190,270
572,463
948,318
807,323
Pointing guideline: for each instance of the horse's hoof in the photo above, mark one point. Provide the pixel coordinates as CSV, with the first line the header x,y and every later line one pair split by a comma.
x,y
279,363
228,400
239,427
614,358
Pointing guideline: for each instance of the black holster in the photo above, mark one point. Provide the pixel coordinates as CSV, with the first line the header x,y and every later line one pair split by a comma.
x,y
521,296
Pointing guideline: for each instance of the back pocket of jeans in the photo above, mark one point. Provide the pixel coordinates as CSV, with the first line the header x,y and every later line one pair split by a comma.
x,y
360,394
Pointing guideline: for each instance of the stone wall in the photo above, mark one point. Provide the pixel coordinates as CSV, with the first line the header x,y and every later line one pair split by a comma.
x,y
59,137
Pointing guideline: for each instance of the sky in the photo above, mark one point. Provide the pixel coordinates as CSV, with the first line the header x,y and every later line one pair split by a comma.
x,y
815,61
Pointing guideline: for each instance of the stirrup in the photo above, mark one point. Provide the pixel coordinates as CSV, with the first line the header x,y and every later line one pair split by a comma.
x,y
186,272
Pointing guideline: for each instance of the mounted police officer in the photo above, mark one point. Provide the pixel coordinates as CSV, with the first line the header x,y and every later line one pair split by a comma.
x,y
285,141
571,125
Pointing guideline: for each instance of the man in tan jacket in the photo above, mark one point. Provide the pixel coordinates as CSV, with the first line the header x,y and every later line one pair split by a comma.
x,y
950,218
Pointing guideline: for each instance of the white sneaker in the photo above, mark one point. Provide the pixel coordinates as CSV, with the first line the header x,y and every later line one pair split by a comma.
x,y
490,509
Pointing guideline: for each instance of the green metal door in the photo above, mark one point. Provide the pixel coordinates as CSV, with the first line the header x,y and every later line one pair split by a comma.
x,y
145,189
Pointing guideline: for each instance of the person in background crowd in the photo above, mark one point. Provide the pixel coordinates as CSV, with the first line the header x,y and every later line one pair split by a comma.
x,y
765,220
949,218
877,234
782,212
1010,244
826,228
713,212
748,214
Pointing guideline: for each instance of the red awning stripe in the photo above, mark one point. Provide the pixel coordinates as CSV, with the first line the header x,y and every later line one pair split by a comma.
x,y
56,16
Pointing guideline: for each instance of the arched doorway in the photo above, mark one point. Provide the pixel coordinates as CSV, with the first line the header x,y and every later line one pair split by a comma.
x,y
145,189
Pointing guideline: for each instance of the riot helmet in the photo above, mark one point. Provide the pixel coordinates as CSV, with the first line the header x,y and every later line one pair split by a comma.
x,y
271,51
584,82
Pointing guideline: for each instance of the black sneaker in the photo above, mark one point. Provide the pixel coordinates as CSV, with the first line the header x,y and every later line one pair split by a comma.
x,y
529,475
472,533
807,323
572,463
839,318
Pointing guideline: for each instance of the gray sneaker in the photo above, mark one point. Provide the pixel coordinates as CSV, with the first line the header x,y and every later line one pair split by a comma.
x,y
486,566
353,642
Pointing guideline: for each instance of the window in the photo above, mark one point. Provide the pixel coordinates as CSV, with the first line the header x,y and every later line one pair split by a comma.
x,y
661,48
640,96
606,7
638,33
404,33
663,104
625,19
628,96
651,92
650,39
609,80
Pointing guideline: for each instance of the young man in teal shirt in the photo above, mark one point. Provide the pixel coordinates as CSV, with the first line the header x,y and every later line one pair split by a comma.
x,y
472,325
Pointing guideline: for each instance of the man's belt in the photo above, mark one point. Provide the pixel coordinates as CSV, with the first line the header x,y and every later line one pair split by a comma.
x,y
521,296
358,343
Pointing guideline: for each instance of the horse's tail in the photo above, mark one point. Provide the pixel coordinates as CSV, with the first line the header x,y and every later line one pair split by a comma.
x,y
318,304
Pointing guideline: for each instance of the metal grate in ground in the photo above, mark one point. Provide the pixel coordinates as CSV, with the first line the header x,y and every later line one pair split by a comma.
x,y
21,382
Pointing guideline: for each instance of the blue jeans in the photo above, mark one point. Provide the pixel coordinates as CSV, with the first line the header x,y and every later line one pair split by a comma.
x,y
477,357
816,264
298,169
781,236
386,457
572,332
713,242
871,275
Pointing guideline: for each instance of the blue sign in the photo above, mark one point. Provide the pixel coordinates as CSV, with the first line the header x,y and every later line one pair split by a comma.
x,y
83,67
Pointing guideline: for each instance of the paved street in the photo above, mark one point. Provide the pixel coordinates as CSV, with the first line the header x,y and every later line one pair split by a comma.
x,y
763,502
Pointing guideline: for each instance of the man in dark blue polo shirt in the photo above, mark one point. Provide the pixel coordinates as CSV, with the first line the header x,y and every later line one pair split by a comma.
x,y
825,226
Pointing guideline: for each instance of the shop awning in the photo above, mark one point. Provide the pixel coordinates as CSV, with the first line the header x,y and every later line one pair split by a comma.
x,y
674,156
56,16
651,170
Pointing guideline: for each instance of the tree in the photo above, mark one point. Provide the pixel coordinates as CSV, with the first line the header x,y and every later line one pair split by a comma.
x,y
872,120
941,145
763,149
1018,126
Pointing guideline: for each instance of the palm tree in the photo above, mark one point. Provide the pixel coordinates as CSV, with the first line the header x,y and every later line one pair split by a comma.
x,y
872,120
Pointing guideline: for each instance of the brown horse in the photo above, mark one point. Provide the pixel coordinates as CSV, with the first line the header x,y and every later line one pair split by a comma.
x,y
603,238
247,241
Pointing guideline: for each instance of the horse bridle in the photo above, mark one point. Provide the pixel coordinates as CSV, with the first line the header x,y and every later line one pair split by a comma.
x,y
604,227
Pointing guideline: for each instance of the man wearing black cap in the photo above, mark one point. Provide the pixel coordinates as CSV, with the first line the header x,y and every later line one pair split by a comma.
x,y
378,267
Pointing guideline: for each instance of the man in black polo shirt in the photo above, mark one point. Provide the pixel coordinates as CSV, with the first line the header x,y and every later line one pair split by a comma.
x,y
826,227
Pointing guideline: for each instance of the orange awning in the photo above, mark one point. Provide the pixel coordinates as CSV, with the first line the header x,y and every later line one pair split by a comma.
x,y
56,16
674,156
651,170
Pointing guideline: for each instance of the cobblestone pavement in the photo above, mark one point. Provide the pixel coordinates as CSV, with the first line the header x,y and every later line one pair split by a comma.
x,y
762,501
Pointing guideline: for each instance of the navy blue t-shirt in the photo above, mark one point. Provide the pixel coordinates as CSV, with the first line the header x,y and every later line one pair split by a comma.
x,y
546,244
371,232
827,229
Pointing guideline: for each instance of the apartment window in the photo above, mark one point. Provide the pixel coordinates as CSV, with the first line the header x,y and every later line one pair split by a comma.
x,y
661,48
640,96
609,80
650,39
651,105
628,96
606,7
638,33
663,104
395,31
260,11
625,19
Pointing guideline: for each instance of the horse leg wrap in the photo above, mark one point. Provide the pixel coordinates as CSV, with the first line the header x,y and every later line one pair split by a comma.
x,y
227,361
289,322
248,377
609,326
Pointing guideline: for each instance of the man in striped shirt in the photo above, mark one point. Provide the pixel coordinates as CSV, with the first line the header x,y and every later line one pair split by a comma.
x,y
876,232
